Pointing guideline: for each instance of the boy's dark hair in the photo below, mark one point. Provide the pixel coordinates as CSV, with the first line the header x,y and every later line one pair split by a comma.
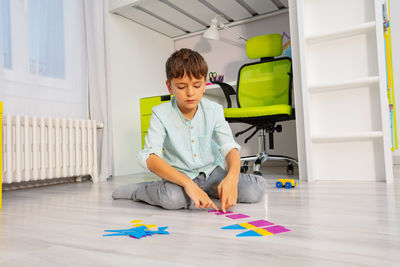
x,y
186,61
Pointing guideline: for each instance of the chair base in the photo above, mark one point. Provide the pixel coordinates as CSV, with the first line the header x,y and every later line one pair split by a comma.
x,y
263,157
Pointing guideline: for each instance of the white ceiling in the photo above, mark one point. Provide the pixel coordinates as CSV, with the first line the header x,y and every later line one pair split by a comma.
x,y
176,18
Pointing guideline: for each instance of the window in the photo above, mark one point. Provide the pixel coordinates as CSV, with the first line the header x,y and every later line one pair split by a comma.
x,y
43,43
5,23
46,38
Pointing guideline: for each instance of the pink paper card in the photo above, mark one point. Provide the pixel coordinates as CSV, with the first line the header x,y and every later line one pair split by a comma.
x,y
276,229
221,212
260,223
237,216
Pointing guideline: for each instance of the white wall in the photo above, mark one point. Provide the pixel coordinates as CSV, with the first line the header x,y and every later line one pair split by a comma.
x,y
395,26
227,55
136,58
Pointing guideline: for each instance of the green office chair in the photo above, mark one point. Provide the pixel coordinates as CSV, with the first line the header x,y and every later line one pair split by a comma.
x,y
264,90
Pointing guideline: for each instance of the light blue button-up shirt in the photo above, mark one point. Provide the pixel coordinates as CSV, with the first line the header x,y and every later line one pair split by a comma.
x,y
190,146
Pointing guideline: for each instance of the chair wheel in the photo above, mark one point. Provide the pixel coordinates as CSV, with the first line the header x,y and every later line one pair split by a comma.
x,y
257,173
244,169
290,168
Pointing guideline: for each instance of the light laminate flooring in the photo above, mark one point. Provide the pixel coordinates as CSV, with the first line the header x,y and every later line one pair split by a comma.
x,y
332,223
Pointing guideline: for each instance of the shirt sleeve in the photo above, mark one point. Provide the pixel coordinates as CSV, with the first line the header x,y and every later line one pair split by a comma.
x,y
154,141
223,134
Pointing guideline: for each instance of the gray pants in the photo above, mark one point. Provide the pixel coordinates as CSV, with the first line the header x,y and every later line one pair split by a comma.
x,y
172,196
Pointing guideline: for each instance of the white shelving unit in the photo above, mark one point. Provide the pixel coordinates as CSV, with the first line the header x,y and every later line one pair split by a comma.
x,y
341,63
342,33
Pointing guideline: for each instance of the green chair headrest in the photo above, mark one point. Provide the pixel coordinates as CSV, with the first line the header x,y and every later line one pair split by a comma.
x,y
269,45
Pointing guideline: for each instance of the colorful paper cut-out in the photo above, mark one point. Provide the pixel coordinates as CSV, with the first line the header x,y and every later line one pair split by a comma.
x,y
234,227
249,233
247,225
260,223
243,226
237,216
258,227
262,231
276,229
137,232
221,212
147,225
239,226
272,230
255,232
151,225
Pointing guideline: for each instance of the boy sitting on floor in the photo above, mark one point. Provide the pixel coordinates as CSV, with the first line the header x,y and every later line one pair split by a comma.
x,y
180,147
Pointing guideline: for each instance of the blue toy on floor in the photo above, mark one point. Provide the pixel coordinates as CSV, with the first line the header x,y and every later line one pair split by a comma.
x,y
137,232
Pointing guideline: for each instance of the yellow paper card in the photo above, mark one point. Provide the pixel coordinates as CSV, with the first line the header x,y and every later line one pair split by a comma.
x,y
136,221
262,231
247,225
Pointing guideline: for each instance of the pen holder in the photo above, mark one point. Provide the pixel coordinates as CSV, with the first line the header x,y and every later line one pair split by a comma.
x,y
214,77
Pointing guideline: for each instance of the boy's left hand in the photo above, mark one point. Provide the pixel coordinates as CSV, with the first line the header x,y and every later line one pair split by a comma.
x,y
227,192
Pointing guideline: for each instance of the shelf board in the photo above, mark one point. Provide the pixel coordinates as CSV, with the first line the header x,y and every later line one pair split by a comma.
x,y
348,137
329,87
358,29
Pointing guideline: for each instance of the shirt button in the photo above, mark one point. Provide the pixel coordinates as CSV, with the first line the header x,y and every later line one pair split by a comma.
x,y
191,127
194,155
197,170
150,147
192,141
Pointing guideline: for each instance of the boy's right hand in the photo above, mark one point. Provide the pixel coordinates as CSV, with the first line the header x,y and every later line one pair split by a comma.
x,y
199,197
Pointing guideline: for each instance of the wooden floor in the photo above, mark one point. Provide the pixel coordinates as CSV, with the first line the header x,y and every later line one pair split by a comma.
x,y
332,223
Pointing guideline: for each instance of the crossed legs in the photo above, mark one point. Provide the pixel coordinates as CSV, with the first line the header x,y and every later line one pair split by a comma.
x,y
172,196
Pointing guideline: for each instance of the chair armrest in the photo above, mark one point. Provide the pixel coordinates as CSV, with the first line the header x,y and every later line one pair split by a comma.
x,y
227,90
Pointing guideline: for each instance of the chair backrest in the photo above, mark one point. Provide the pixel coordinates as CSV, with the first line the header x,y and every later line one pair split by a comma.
x,y
267,82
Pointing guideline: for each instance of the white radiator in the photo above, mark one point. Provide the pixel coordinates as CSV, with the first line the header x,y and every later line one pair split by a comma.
x,y
43,148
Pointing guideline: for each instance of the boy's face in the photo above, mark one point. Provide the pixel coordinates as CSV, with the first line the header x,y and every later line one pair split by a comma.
x,y
188,92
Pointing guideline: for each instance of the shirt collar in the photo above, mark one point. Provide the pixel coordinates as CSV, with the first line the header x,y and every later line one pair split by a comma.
x,y
184,119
